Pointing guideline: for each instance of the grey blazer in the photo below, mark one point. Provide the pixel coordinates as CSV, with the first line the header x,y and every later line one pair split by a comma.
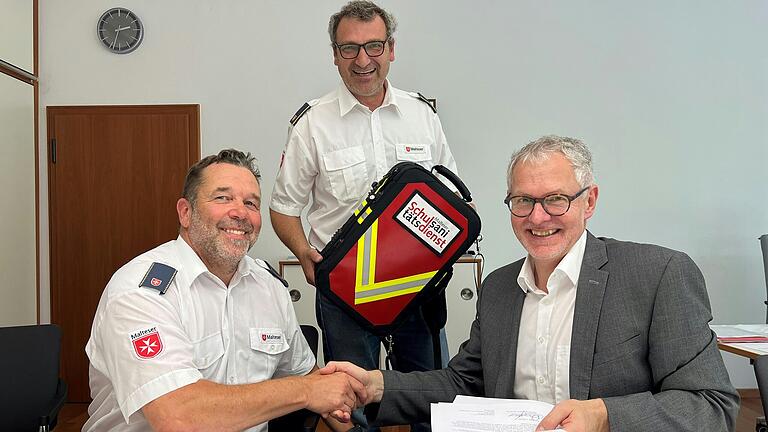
x,y
641,342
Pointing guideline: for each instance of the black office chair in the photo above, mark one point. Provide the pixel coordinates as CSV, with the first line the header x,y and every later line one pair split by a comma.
x,y
301,420
764,247
32,392
761,373
312,336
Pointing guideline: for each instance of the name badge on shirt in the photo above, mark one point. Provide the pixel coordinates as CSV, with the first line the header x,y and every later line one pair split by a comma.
x,y
413,152
270,340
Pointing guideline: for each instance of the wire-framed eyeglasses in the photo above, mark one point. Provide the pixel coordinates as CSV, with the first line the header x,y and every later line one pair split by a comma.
x,y
555,204
351,50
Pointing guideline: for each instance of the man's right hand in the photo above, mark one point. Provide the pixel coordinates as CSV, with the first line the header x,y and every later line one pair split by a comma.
x,y
308,258
336,393
372,380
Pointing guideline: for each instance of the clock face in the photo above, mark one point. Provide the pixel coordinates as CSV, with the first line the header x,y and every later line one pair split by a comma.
x,y
120,30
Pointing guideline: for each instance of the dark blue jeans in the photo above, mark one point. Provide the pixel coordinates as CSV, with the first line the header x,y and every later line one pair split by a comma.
x,y
345,340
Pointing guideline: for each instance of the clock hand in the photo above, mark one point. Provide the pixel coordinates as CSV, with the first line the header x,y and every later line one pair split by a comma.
x,y
122,28
117,33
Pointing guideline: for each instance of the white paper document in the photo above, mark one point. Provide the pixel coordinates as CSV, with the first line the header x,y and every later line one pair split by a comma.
x,y
760,348
475,414
739,330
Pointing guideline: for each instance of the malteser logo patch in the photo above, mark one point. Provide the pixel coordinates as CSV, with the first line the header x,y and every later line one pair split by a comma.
x,y
147,343
427,223
415,149
271,337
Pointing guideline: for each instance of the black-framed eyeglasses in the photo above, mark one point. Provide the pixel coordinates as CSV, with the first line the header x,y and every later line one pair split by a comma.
x,y
351,50
555,204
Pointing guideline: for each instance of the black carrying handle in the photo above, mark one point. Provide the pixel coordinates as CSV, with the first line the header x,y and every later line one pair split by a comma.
x,y
445,172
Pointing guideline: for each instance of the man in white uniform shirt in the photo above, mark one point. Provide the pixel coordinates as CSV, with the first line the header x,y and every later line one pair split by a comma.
x,y
614,333
195,334
338,145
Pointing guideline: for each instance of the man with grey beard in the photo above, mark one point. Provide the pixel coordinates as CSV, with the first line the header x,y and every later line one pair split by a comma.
x,y
195,334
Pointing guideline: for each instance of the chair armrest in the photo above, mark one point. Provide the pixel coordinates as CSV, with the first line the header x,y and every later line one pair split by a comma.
x,y
310,422
52,410
301,420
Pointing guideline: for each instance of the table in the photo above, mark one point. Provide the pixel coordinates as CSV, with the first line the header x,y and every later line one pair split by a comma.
x,y
749,350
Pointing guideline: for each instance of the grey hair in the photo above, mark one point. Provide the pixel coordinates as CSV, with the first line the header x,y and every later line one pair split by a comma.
x,y
540,150
364,11
228,156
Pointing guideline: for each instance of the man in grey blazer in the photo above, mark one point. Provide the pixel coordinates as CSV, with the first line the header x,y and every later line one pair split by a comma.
x,y
614,333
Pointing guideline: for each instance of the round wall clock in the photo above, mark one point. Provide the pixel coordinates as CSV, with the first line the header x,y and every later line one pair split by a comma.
x,y
120,30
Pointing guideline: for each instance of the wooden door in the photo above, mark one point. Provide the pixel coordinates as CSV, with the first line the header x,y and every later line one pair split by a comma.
x,y
114,176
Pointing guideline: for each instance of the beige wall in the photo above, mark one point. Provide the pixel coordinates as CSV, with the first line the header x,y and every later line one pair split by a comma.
x,y
16,36
671,97
17,203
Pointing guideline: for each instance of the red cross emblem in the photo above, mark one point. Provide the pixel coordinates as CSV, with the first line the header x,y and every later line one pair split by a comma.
x,y
155,282
148,345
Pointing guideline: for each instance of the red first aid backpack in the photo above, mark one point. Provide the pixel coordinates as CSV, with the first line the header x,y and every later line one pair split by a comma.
x,y
396,252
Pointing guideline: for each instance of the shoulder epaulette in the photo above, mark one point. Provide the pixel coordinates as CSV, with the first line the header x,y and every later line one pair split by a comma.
x,y
303,110
274,273
158,277
431,103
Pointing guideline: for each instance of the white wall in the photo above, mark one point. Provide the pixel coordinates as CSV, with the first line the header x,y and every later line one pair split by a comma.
x,y
16,32
18,295
672,97
17,194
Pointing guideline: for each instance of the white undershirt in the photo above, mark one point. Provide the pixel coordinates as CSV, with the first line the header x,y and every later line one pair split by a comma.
x,y
546,324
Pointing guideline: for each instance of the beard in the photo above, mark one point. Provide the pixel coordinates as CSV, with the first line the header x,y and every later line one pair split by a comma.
x,y
215,247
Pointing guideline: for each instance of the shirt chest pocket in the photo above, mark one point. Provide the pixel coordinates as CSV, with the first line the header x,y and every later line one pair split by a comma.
x,y
207,351
267,346
418,153
347,173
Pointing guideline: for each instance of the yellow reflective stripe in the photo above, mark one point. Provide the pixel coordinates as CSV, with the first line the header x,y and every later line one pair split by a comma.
x,y
365,266
360,207
362,218
388,295
381,184
365,271
374,244
360,261
393,282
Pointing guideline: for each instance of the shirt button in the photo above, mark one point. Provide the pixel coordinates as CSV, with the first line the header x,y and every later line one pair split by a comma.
x,y
231,380
541,339
541,380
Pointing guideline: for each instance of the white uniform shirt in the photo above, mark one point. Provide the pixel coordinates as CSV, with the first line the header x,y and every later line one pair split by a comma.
x,y
546,325
144,345
339,148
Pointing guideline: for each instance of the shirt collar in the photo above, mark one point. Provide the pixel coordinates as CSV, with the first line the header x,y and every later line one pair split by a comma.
x,y
244,268
569,266
189,261
193,266
348,101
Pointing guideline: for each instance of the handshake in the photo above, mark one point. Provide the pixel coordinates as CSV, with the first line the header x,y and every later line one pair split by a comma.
x,y
340,387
